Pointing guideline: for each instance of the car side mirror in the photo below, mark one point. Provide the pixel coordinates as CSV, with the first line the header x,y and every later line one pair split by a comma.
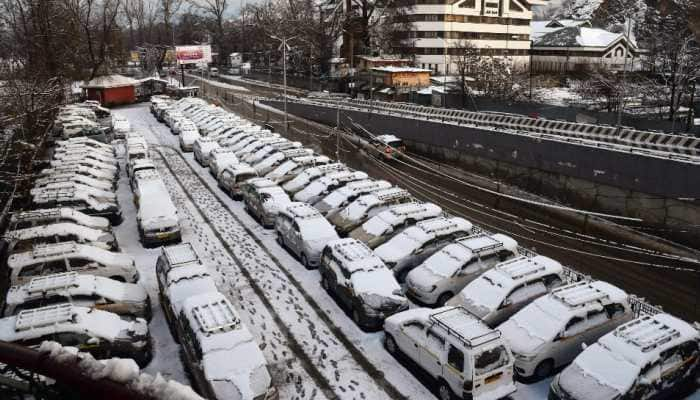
x,y
93,341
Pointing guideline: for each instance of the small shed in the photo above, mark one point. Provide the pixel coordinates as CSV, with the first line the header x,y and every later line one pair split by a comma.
x,y
112,90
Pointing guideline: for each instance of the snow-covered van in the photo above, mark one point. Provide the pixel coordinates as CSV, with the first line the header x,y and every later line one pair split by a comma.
x,y
386,224
202,148
469,360
231,178
100,333
271,162
220,352
263,199
81,201
290,168
361,282
367,206
318,189
505,289
651,357
309,175
448,271
46,259
414,244
128,299
219,159
28,219
342,196
549,332
303,230
24,239
157,215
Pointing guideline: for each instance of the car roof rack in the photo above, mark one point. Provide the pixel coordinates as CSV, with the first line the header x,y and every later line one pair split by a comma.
x,y
647,333
487,243
447,319
520,267
579,294
216,316
53,249
43,214
51,282
297,152
391,193
438,225
44,316
352,250
183,253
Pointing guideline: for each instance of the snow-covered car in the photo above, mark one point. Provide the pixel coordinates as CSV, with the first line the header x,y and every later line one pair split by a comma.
x,y
505,289
120,126
319,188
24,239
220,352
231,178
309,175
182,123
290,168
266,151
157,216
219,159
137,169
385,225
263,199
128,299
188,136
46,259
70,147
67,179
103,334
171,116
342,196
651,357
72,154
80,170
29,219
468,359
389,146
449,270
202,148
83,129
367,206
257,144
271,161
361,282
548,333
81,201
413,245
303,230
60,185
180,274
86,142
86,162
242,139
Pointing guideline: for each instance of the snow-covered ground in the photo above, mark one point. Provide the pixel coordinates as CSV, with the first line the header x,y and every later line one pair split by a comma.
x,y
313,348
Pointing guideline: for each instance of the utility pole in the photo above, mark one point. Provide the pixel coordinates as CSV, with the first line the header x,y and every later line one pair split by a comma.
x,y
284,46
337,133
624,74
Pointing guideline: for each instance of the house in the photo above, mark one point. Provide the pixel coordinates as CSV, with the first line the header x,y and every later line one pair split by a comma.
x,y
112,90
397,83
365,63
569,45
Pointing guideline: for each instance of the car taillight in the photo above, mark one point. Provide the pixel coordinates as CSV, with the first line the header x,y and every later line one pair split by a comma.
x,y
468,386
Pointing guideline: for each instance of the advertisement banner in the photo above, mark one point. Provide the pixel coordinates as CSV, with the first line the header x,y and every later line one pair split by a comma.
x,y
193,54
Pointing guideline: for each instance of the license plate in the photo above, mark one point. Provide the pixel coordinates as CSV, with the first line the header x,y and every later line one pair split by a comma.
x,y
492,378
163,235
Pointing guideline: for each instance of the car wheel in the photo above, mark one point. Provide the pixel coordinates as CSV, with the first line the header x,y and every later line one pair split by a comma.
x,y
444,391
324,283
391,345
280,240
544,369
356,317
443,298
305,261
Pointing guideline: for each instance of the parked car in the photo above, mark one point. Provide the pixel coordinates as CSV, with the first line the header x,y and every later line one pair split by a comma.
x,y
389,146
46,259
103,334
449,270
342,196
266,151
233,176
68,179
319,188
202,148
157,216
271,161
127,299
505,289
32,218
360,282
219,159
309,175
413,245
188,136
86,162
651,357
466,358
64,185
290,168
71,154
548,333
263,199
367,206
236,370
304,231
80,200
385,225
94,173
120,126
24,239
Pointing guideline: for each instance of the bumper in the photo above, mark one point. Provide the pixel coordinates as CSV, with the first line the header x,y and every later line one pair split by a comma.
x,y
498,393
421,297
525,369
158,238
186,147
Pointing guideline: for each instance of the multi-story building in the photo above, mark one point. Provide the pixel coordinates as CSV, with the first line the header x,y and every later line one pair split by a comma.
x,y
495,27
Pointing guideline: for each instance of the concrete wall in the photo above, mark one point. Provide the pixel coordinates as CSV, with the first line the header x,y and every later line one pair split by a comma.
x,y
586,177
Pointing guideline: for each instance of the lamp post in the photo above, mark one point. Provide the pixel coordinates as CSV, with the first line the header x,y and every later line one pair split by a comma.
x,y
284,40
624,73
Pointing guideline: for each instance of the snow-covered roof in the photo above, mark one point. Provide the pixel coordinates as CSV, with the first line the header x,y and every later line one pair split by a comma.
x,y
414,237
541,28
59,251
584,294
397,214
110,81
578,36
355,188
180,254
443,226
319,186
387,138
395,69
83,233
156,209
299,210
58,214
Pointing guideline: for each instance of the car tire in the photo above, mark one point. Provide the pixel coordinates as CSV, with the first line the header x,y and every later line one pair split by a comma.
x,y
305,261
391,346
443,299
280,240
445,391
356,317
544,369
324,283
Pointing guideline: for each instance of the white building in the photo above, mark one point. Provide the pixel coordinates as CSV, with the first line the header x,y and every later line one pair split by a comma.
x,y
496,27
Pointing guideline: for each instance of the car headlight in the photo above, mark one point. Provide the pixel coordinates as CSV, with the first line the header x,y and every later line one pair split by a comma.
x,y
432,288
525,357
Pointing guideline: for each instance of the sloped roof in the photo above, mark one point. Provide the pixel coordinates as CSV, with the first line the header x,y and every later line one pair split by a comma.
x,y
576,36
110,81
541,28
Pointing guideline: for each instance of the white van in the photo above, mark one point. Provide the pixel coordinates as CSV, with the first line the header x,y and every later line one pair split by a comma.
x,y
157,216
386,224
367,206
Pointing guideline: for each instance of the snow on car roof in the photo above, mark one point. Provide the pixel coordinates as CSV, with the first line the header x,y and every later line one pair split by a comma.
x,y
352,250
212,313
58,251
155,204
516,271
396,215
57,229
584,294
241,168
482,242
469,329
261,183
56,214
179,254
442,225
299,210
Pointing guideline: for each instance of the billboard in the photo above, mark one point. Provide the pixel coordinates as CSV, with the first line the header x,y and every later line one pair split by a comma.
x,y
199,54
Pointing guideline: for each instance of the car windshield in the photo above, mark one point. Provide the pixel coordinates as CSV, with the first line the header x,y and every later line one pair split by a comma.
x,y
579,384
490,359
313,230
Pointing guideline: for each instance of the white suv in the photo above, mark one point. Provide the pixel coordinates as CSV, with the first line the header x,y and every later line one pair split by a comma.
x,y
303,230
467,358
388,223
548,333
448,271
340,197
367,206
317,189
309,175
291,168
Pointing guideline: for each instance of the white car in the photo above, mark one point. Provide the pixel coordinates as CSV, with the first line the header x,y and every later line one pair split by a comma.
x,y
448,271
549,333
188,136
416,243
157,216
309,175
508,287
367,206
202,148
23,239
317,189
265,151
290,168
652,357
468,359
80,200
304,231
67,179
231,178
219,159
271,162
388,223
264,199
28,219
340,197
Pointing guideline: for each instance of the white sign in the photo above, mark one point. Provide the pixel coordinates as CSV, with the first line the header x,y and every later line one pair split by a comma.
x,y
200,54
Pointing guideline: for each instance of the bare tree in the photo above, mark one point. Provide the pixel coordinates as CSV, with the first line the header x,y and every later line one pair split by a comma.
x,y
216,9
169,8
465,56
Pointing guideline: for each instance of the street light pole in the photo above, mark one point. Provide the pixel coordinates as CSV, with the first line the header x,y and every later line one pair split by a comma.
x,y
624,73
284,41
